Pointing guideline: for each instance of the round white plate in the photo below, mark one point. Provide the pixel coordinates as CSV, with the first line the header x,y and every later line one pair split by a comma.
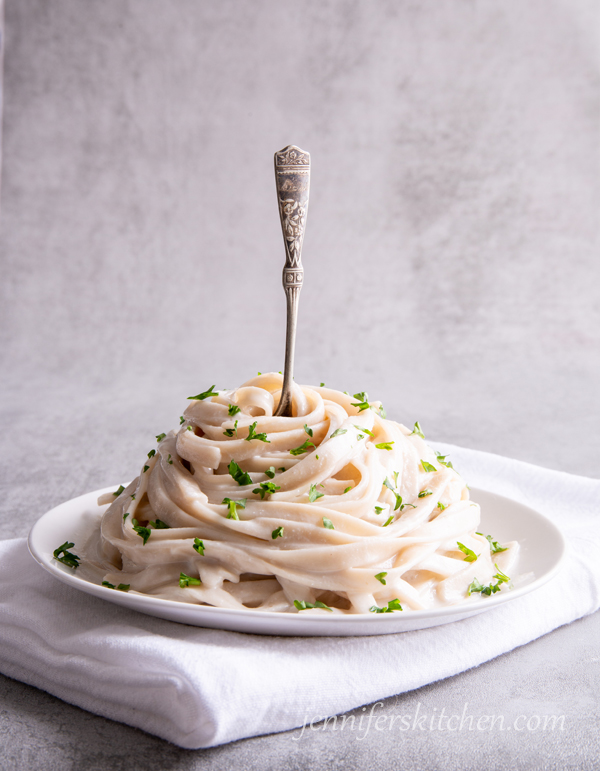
x,y
542,551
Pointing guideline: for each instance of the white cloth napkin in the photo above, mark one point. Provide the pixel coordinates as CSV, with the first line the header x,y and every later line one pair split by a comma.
x,y
202,687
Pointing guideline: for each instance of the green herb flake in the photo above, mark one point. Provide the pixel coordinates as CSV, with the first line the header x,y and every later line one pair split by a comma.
x,y
62,554
313,495
241,477
382,412
185,581
133,497
302,449
152,453
233,409
303,605
381,578
253,435
232,431
391,606
390,519
181,420
384,446
143,532
189,428
418,430
442,460
205,394
347,490
160,437
427,466
233,507
338,432
170,459
441,506
378,509
328,524
158,524
281,468
470,555
146,468
198,546
424,493
270,472
364,430
277,533
119,588
495,547
362,402
107,583
321,385
308,430
266,488
119,491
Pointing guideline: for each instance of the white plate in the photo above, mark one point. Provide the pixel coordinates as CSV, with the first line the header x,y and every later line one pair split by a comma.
x,y
542,551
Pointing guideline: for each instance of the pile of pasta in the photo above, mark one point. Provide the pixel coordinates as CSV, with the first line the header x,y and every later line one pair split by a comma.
x,y
333,510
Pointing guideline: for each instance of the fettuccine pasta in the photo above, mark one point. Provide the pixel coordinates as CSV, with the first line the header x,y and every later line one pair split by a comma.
x,y
334,510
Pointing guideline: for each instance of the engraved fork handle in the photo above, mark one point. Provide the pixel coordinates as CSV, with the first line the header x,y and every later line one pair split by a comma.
x,y
292,178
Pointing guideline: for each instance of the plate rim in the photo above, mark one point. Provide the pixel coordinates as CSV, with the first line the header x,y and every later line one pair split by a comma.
x,y
121,598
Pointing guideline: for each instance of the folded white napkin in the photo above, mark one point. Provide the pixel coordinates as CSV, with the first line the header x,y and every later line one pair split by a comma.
x,y
203,687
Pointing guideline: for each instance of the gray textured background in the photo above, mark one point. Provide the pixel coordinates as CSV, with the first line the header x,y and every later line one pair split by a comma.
x,y
452,270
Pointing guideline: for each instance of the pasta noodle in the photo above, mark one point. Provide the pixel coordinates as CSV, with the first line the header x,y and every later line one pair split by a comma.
x,y
333,510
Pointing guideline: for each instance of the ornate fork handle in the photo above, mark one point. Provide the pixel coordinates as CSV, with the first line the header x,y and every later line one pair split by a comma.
x,y
292,178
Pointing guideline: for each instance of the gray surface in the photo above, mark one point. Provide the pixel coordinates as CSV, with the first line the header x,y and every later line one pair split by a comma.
x,y
451,270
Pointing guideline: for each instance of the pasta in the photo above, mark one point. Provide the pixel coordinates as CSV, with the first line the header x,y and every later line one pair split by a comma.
x,y
334,510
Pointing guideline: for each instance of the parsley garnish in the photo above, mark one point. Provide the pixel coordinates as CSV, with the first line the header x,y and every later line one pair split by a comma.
x,y
424,493
253,435
470,554
188,581
189,428
442,459
119,588
494,545
277,533
302,605
119,491
282,468
62,554
441,506
146,468
382,412
391,606
347,490
233,409
143,532
418,430
170,459
181,420
363,401
321,385
205,394
270,472
427,466
500,577
198,546
160,437
378,509
152,453
339,432
313,495
302,449
328,524
365,430
241,477
381,578
390,519
232,431
159,524
266,488
384,446
308,430
233,507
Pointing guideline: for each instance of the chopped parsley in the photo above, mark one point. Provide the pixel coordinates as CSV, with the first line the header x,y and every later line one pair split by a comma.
x,y
363,401
381,578
266,488
158,524
277,533
270,472
253,435
119,588
241,477
494,545
233,409
424,493
391,606
205,394
143,532
321,385
347,490
418,430
382,412
282,469
181,420
160,437
442,459
189,428
119,491
384,446
185,581
470,555
232,431
441,506
378,509
399,504
339,432
146,468
303,605
152,453
198,546
170,459
328,524
390,519
308,430
233,507
313,495
364,430
62,554
475,586
302,449
427,466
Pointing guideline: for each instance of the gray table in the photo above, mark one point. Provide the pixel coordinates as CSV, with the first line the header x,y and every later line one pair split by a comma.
x,y
451,270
